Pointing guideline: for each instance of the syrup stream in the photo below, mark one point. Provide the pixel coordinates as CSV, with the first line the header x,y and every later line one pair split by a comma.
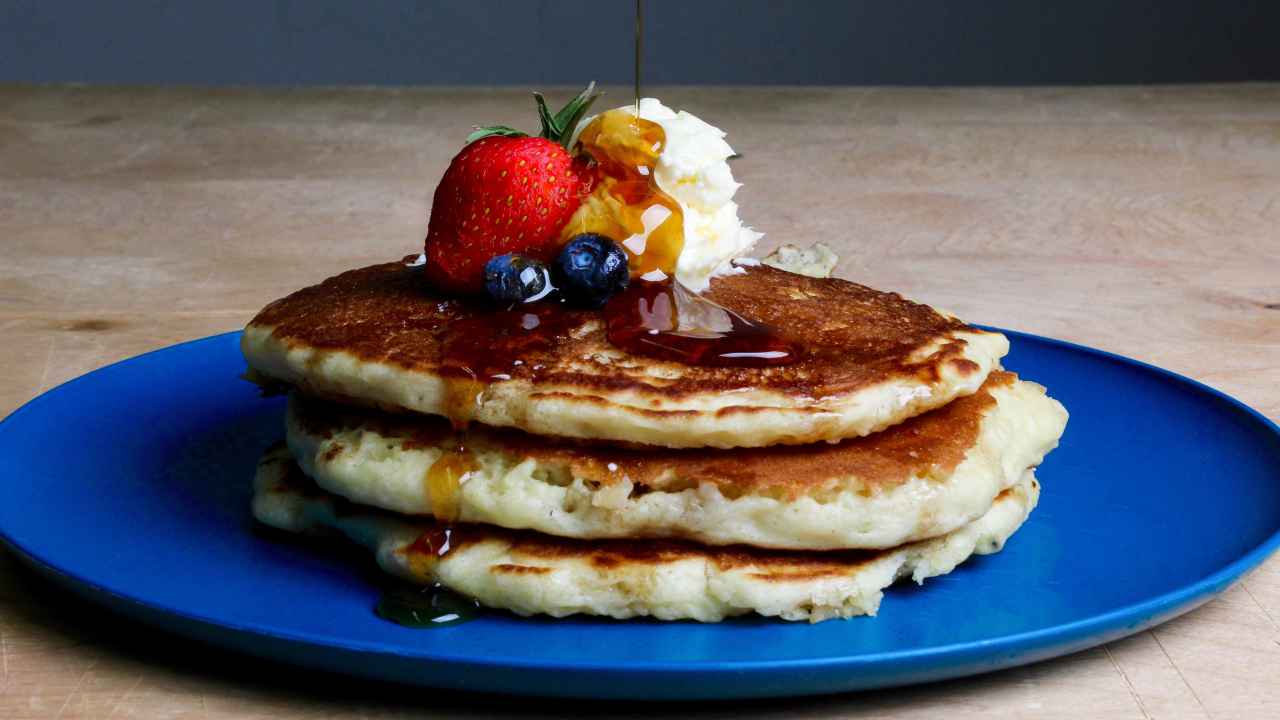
x,y
639,46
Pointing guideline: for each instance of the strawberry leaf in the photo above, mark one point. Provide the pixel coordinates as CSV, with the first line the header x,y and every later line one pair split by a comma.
x,y
550,129
571,114
484,132
556,128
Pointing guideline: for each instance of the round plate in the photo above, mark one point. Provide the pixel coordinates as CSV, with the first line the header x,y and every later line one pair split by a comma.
x,y
130,485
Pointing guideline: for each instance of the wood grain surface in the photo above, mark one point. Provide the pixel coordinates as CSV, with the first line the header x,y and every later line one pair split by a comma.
x,y
1145,221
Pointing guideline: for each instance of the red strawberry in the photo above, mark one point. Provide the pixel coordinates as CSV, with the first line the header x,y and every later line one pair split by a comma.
x,y
505,193
499,195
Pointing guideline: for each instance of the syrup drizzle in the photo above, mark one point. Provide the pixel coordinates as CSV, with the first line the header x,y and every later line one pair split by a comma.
x,y
488,345
656,317
626,203
663,320
483,347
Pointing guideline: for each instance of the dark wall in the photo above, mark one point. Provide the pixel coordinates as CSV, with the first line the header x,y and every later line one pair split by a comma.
x,y
286,42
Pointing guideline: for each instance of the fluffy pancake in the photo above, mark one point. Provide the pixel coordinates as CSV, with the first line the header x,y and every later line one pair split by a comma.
x,y
530,573
380,336
916,480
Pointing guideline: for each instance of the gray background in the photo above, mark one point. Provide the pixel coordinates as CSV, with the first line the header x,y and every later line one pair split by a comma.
x,y
393,42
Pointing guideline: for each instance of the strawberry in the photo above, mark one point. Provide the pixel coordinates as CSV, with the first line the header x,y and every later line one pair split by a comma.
x,y
504,193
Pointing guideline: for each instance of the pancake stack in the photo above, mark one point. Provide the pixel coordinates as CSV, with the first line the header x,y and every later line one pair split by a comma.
x,y
520,458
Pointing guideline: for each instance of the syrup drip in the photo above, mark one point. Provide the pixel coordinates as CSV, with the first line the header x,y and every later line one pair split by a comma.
x,y
462,397
434,605
443,482
665,321
425,551
626,203
483,347
489,345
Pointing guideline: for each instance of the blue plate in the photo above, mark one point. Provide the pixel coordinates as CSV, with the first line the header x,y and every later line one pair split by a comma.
x,y
130,485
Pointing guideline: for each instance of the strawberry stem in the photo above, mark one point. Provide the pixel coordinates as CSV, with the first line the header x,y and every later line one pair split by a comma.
x,y
550,130
557,128
566,121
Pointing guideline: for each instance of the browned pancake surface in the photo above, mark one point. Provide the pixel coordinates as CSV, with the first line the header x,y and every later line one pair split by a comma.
x,y
929,445
849,335
438,539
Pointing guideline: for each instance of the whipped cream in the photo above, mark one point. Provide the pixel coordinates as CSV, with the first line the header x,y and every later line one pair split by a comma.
x,y
694,169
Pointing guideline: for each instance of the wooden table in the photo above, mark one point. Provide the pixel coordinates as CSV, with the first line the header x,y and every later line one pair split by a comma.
x,y
1141,220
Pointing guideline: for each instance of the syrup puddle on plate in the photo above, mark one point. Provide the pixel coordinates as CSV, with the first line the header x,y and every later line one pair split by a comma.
x,y
434,606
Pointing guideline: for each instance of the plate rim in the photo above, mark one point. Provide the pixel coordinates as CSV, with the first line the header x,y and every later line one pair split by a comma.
x,y
1105,627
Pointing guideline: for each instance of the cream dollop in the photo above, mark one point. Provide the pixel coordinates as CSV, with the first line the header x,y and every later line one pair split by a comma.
x,y
694,169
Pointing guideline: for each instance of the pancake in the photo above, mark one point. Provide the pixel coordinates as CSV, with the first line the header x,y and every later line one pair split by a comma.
x,y
380,336
530,573
916,480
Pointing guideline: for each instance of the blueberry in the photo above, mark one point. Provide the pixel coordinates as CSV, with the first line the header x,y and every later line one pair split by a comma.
x,y
592,268
516,279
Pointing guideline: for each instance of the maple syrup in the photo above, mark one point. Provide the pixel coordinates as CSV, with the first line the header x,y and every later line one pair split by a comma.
x,y
426,550
626,203
639,48
482,347
487,344
443,481
462,395
659,318
434,605
663,320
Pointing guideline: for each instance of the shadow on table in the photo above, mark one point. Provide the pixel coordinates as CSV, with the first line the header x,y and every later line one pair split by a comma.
x,y
78,626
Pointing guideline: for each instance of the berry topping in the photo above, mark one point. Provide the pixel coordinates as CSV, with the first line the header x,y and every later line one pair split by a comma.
x,y
516,279
591,269
505,193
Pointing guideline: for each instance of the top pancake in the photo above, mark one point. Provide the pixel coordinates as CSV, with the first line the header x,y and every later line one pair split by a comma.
x,y
381,336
